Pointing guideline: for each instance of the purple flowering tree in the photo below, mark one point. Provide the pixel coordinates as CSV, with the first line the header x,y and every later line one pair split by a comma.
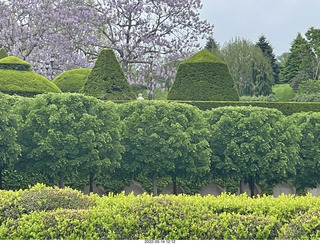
x,y
148,35
48,34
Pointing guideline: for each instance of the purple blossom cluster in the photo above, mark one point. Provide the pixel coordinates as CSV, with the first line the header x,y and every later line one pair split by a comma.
x,y
149,36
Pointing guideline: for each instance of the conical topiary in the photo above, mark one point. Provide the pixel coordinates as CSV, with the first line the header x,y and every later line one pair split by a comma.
x,y
72,80
3,53
203,77
107,80
16,77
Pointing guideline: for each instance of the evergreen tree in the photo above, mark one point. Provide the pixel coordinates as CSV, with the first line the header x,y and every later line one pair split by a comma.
x,y
3,53
298,66
213,46
313,37
107,80
267,51
250,68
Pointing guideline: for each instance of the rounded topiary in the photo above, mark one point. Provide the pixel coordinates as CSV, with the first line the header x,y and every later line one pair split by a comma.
x,y
3,53
16,77
203,77
72,80
41,198
45,198
107,80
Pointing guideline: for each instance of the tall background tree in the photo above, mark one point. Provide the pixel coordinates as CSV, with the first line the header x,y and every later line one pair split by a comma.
x,y
267,51
250,68
313,37
213,46
299,65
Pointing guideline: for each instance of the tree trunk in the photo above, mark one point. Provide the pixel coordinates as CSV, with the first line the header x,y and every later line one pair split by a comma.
x,y
174,184
154,182
1,178
61,180
242,187
91,175
251,186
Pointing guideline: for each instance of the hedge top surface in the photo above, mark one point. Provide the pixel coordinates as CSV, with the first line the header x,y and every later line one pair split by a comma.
x,y
72,80
14,60
203,56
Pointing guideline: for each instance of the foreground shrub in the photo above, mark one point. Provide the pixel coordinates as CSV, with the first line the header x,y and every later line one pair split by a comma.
x,y
40,198
165,217
305,227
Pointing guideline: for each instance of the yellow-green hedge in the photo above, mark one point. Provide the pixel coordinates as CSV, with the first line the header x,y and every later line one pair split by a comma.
x,y
164,217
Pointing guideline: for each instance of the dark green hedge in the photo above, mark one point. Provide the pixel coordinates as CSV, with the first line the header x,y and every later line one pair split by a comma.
x,y
287,108
203,77
107,80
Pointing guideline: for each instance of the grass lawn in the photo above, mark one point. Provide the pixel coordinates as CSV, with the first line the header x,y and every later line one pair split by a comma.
x,y
283,92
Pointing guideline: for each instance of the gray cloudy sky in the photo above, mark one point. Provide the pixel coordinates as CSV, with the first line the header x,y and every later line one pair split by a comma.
x,y
279,20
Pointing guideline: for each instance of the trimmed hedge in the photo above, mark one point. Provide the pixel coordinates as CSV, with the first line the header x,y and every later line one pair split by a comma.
x,y
166,217
203,77
16,77
107,80
14,63
72,80
304,227
40,198
25,83
286,108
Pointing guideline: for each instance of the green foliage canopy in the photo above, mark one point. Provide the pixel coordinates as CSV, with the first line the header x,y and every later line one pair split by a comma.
x,y
164,139
9,148
63,133
251,70
308,171
252,144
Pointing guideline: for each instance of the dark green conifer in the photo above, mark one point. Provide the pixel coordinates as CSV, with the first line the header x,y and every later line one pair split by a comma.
x,y
298,66
203,77
3,53
267,51
107,80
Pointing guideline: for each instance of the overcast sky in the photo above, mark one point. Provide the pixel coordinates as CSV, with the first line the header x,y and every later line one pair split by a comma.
x,y
279,20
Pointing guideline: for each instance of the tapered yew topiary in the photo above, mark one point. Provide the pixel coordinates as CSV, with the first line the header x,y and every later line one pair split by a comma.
x,y
3,53
107,80
203,77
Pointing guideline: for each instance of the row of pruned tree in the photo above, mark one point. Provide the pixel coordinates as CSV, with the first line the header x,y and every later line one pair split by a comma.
x,y
57,136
